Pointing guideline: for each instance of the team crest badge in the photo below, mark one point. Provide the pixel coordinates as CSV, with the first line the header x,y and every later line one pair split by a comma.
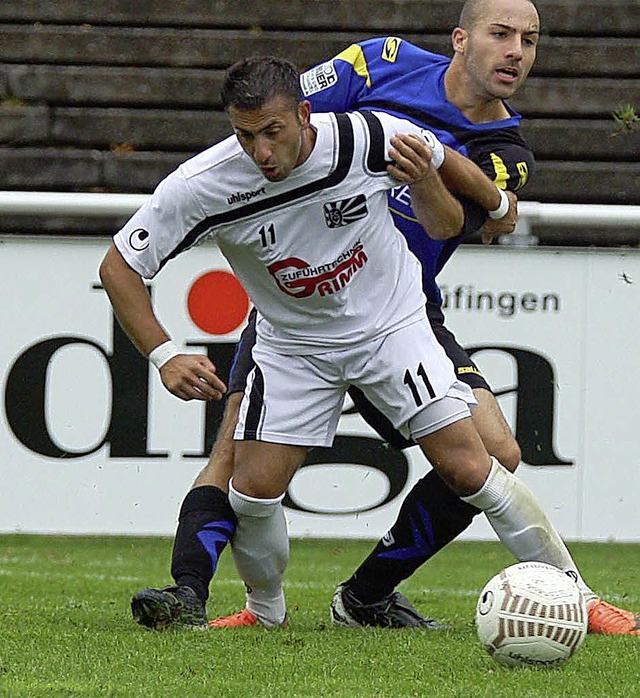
x,y
340,213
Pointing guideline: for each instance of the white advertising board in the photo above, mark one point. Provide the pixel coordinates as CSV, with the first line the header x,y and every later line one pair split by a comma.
x,y
91,443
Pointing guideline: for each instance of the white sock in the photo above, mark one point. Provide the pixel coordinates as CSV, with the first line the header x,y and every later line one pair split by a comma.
x,y
521,524
261,552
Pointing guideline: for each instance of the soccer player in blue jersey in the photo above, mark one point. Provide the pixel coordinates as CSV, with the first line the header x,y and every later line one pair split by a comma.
x,y
462,101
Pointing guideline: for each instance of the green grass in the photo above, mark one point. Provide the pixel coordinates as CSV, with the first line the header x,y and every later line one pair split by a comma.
x,y
65,629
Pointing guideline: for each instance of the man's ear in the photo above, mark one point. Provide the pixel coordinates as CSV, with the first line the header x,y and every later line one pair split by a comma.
x,y
459,38
304,111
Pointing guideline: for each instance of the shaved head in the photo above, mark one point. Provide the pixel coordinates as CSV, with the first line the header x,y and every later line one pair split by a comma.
x,y
474,11
494,49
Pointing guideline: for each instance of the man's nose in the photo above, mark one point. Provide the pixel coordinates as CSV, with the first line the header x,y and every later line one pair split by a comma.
x,y
261,150
515,48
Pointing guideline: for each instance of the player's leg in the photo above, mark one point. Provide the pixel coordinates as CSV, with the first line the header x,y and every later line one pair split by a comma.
x,y
459,456
205,524
488,418
278,421
604,618
431,515
493,429
206,521
521,524
427,397
261,544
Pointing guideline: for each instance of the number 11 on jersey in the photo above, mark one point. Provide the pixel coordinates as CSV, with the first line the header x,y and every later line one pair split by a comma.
x,y
267,235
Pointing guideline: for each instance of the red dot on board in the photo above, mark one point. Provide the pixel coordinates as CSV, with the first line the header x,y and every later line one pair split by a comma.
x,y
217,303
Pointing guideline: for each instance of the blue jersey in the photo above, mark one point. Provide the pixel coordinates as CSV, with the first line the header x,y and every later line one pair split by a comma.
x,y
389,74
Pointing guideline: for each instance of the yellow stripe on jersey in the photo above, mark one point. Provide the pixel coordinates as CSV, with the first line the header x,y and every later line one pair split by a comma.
x,y
402,215
391,48
502,174
523,171
355,56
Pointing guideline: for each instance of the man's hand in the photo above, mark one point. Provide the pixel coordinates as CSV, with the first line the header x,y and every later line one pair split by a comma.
x,y
503,226
192,377
411,158
414,163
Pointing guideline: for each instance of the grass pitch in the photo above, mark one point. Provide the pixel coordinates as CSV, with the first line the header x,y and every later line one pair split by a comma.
x,y
66,628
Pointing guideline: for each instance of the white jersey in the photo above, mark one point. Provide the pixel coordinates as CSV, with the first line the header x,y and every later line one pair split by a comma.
x,y
318,253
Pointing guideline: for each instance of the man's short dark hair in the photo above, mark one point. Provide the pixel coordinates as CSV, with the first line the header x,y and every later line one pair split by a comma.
x,y
252,82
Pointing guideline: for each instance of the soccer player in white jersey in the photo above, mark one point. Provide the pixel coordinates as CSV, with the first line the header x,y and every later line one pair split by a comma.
x,y
340,303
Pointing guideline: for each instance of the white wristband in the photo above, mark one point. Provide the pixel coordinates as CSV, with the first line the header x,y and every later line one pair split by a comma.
x,y
437,149
163,353
503,209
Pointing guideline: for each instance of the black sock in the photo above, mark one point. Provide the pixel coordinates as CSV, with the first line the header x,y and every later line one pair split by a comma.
x,y
205,525
431,516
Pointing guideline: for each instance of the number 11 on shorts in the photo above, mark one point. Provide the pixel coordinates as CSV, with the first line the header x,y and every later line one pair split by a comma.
x,y
410,381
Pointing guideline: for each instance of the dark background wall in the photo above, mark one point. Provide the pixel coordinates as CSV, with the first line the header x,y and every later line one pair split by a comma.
x,y
111,96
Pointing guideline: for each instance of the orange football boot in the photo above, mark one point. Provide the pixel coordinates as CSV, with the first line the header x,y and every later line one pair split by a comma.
x,y
607,619
241,619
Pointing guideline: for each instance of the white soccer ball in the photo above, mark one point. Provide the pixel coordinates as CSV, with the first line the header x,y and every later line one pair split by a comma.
x,y
531,614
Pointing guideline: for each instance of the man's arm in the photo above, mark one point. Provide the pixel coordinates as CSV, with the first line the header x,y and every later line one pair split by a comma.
x,y
436,193
465,178
504,156
187,376
438,211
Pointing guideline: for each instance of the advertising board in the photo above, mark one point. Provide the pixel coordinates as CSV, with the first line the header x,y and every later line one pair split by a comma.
x,y
92,443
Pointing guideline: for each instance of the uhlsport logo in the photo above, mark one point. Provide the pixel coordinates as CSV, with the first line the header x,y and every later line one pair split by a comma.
x,y
139,239
341,213
241,197
388,539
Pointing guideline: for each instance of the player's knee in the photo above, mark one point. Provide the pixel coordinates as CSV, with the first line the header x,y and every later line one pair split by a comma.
x,y
216,472
466,480
508,454
464,470
219,468
254,487
248,505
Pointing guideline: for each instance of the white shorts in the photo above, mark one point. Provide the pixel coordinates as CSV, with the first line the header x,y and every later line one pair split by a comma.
x,y
297,400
